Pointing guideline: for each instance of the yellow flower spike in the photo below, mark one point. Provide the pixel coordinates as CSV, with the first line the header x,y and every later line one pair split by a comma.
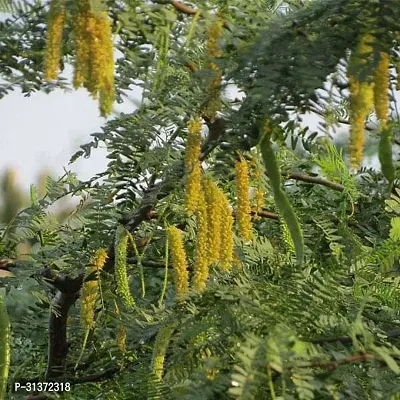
x,y
193,166
214,33
201,263
213,202
121,243
179,261
94,58
226,233
90,289
381,96
259,194
243,200
82,53
55,25
361,104
361,100
160,349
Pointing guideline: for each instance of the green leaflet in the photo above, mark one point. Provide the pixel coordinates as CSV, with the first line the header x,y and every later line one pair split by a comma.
x,y
5,332
385,156
281,200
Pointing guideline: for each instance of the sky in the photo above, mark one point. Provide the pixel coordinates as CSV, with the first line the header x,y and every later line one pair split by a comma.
x,y
43,131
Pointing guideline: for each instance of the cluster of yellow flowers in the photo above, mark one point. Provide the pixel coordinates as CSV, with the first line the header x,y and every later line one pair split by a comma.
x,y
94,63
94,60
214,239
179,261
201,264
212,198
204,199
259,194
381,86
121,243
214,33
243,199
226,253
90,289
366,95
192,166
56,22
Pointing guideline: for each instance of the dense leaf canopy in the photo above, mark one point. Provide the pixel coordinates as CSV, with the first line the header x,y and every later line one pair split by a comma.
x,y
228,250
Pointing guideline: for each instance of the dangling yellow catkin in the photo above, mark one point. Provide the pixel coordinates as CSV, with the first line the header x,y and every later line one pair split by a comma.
x,y
90,289
82,52
381,95
179,262
226,233
361,101
54,39
94,59
160,349
243,200
259,194
212,194
214,33
192,166
201,263
121,243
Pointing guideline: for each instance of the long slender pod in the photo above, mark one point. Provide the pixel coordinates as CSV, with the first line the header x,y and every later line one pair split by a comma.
x,y
385,156
281,200
5,351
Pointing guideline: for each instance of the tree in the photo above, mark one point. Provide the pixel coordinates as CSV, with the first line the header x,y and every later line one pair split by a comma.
x,y
210,260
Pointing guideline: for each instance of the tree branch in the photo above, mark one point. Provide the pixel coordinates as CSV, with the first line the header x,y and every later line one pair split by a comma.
x,y
97,377
298,176
183,8
395,333
58,346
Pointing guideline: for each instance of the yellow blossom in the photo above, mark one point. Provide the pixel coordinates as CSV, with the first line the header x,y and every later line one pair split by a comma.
x,y
361,99
192,166
201,263
227,240
54,39
213,200
243,200
94,59
214,33
90,289
179,262
381,97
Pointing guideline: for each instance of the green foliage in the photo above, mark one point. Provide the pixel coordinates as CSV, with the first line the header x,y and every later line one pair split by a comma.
x,y
4,346
269,329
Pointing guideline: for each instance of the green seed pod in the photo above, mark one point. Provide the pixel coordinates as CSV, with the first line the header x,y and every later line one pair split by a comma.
x,y
281,200
5,352
121,243
385,156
